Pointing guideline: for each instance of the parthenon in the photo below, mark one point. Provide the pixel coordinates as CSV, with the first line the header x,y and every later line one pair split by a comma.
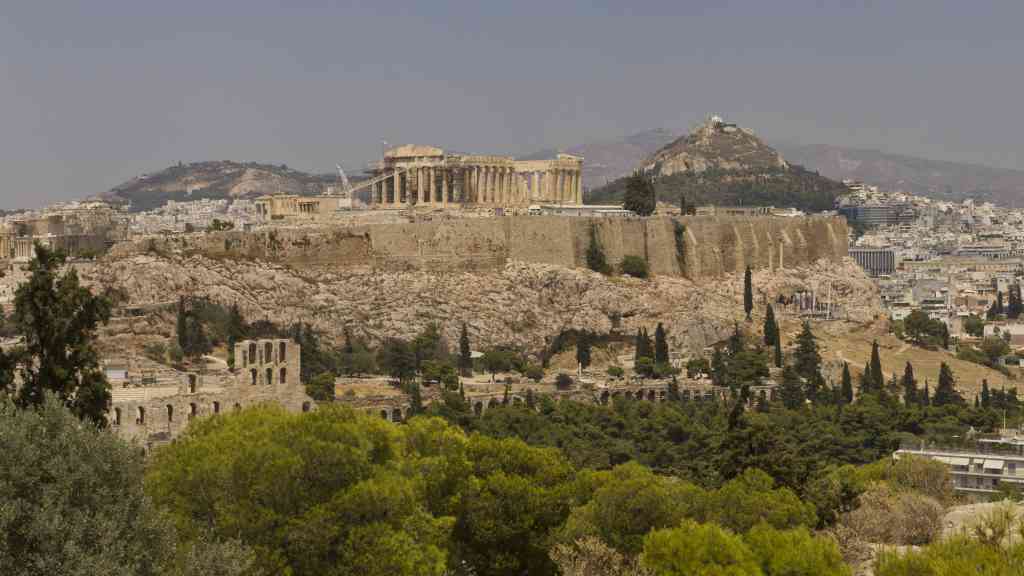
x,y
424,175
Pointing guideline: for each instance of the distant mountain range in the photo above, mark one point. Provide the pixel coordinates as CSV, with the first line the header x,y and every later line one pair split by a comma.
x,y
607,160
932,178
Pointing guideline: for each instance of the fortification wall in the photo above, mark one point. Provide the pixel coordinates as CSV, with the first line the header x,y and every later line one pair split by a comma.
x,y
692,246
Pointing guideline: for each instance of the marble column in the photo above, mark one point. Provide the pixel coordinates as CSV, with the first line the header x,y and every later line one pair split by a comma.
x,y
421,194
444,188
534,185
397,198
485,184
430,185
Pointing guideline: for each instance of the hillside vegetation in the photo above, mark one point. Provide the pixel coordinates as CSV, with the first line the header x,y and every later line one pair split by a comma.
x,y
218,179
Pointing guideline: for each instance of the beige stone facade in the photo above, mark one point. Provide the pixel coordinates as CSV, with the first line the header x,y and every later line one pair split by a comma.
x,y
290,206
151,407
413,175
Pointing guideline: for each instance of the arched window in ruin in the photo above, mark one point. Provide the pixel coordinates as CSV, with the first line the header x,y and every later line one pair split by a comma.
x,y
604,397
140,415
268,353
117,416
270,376
170,413
305,406
216,407
478,408
193,410
283,376
252,373
384,414
651,395
252,352
396,415
282,352
192,383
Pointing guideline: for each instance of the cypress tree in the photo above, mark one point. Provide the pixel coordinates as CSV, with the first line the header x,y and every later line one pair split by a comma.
x,y
910,394
465,355
925,396
648,345
945,391
846,387
415,399
718,368
181,325
735,341
583,349
660,345
864,384
638,347
778,350
806,359
986,396
771,328
877,380
748,293
790,390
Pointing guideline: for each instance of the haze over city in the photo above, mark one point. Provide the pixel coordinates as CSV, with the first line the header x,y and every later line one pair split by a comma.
x,y
94,93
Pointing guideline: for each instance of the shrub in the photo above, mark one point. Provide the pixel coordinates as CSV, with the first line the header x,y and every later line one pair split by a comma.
x,y
534,372
616,371
634,266
888,517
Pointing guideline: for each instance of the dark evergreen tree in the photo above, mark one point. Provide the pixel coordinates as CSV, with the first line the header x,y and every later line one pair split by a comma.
x,y
415,399
236,324
909,384
1014,307
58,317
846,386
638,347
813,387
596,259
945,390
944,334
791,390
986,395
718,368
748,293
771,328
531,402
640,195
778,349
465,354
877,379
925,396
735,341
865,385
583,349
806,359
660,345
181,324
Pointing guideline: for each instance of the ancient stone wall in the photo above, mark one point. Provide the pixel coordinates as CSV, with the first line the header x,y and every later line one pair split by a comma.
x,y
711,246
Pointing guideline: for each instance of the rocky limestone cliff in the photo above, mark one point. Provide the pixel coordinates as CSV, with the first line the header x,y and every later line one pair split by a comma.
x,y
522,304
715,145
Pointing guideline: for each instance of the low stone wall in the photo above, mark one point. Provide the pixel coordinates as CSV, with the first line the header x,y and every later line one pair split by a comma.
x,y
693,246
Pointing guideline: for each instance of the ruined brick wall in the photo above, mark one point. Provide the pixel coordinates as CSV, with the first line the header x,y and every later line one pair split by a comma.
x,y
711,246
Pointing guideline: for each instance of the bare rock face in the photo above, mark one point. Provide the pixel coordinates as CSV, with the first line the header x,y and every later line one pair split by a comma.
x,y
715,145
524,305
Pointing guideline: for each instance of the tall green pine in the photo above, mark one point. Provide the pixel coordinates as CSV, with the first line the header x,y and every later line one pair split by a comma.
x,y
986,395
465,354
806,359
877,379
583,349
909,383
846,386
791,390
945,391
771,328
748,293
660,345
778,349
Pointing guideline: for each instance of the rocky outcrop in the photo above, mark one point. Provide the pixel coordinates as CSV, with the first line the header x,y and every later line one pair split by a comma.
x,y
523,304
715,145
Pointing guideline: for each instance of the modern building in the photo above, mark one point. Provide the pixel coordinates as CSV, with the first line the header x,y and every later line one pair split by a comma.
x,y
983,468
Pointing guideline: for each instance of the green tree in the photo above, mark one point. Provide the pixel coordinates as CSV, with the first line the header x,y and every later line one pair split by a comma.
x,y
497,360
465,355
397,358
660,345
846,386
321,387
596,259
771,329
58,318
634,266
791,390
415,399
748,293
795,552
698,550
752,498
875,373
909,383
583,348
945,390
986,394
640,194
806,359
325,492
974,326
778,347
628,502
74,505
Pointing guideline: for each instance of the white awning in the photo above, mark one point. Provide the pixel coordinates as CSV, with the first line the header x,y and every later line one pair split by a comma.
x,y
958,461
993,465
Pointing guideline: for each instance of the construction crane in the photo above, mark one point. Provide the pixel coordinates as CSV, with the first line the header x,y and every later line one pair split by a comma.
x,y
346,186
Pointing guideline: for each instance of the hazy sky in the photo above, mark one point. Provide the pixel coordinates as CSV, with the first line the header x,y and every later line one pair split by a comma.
x,y
97,91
